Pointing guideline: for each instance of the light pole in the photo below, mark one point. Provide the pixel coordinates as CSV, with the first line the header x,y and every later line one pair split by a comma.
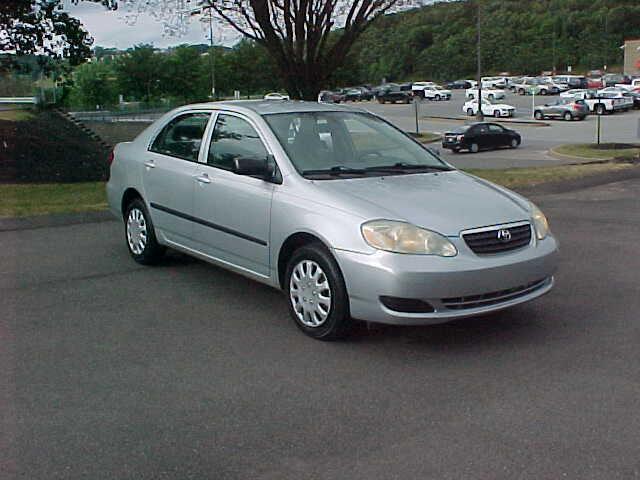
x,y
480,115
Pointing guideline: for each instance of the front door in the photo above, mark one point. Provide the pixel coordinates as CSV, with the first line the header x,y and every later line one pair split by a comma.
x,y
233,211
169,166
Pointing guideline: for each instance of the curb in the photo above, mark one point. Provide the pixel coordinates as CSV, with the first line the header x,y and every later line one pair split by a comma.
x,y
582,160
54,220
532,123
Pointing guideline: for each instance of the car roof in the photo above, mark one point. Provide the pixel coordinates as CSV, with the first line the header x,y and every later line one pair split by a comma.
x,y
268,107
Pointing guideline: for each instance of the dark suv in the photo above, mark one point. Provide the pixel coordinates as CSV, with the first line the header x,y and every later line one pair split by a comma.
x,y
393,95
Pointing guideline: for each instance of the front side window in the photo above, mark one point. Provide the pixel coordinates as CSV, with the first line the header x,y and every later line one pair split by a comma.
x,y
493,128
233,137
345,141
182,136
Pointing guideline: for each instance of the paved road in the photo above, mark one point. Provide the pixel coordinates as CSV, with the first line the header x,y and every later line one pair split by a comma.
x,y
110,370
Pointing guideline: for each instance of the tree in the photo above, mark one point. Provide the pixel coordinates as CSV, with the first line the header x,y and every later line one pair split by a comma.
x,y
40,27
140,72
185,75
94,85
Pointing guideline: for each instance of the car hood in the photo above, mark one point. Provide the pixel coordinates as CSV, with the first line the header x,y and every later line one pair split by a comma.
x,y
446,202
502,106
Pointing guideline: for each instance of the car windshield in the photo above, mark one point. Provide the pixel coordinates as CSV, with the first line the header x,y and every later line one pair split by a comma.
x,y
349,143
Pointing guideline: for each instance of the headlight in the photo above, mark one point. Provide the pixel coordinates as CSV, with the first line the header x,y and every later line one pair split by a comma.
x,y
539,222
401,237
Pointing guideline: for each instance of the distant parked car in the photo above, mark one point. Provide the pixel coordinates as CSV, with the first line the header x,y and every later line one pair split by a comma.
x,y
490,93
574,81
351,94
436,93
493,109
610,79
480,136
327,96
557,86
565,108
595,82
393,95
459,84
572,93
635,96
494,82
535,86
276,96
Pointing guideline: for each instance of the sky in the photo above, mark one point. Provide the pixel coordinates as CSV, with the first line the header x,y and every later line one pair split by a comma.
x,y
108,28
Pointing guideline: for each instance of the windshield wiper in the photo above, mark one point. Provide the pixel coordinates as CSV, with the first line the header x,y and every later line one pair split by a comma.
x,y
337,170
403,167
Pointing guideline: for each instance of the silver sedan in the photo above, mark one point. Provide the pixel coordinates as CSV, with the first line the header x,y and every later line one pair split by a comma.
x,y
345,213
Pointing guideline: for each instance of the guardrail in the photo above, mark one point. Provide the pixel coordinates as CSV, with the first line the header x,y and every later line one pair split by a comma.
x,y
149,115
16,100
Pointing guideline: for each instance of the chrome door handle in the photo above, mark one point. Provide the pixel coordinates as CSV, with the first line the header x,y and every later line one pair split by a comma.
x,y
204,178
150,164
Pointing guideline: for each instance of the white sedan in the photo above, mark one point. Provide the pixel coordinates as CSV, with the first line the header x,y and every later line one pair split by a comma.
x,y
276,96
493,109
572,93
490,93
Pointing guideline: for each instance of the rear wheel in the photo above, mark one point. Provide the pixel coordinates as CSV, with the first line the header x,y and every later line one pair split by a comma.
x,y
543,92
470,112
318,300
474,148
567,116
140,235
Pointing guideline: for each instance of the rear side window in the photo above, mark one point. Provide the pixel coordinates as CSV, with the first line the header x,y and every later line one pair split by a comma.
x,y
495,128
233,137
182,136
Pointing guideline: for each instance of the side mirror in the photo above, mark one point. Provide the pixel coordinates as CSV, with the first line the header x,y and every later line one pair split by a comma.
x,y
255,167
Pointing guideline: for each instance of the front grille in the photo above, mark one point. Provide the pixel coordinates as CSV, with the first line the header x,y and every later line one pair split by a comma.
x,y
492,298
497,240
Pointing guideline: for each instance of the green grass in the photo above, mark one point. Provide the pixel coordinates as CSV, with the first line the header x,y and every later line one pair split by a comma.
x,y
427,137
590,150
17,115
529,177
19,200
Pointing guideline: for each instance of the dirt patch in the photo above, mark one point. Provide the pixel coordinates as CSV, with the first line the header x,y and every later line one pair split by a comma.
x,y
47,148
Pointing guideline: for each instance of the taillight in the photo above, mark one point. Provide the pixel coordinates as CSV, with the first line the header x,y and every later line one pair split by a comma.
x,y
576,106
110,159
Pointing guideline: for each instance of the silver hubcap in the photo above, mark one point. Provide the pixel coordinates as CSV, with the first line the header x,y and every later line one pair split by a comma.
x,y
136,231
310,293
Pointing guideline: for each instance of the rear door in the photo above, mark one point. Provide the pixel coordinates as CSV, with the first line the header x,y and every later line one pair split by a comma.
x,y
483,137
169,165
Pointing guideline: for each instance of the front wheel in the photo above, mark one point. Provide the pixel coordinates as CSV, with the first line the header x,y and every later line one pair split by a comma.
x,y
568,117
318,300
470,112
496,114
140,235
538,115
514,143
474,148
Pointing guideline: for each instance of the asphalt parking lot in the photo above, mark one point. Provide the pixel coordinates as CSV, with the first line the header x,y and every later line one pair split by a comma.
x,y
185,371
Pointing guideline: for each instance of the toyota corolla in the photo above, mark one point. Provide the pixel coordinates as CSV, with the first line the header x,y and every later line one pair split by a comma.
x,y
345,213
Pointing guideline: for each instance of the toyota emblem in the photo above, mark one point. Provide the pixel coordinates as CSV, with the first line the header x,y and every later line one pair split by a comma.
x,y
504,235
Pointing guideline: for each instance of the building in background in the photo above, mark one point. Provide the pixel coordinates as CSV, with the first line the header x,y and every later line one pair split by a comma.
x,y
632,56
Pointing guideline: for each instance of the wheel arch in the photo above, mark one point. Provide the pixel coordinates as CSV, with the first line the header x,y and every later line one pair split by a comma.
x,y
290,245
127,197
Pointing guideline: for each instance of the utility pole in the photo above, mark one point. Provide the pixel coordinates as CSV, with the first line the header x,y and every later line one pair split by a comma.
x,y
480,115
212,62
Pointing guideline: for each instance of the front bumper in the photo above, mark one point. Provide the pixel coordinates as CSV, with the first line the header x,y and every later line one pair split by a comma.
x,y
456,287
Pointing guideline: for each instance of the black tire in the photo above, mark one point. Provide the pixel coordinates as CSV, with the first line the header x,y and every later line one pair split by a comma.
x,y
437,98
567,116
152,251
474,148
455,150
381,100
492,96
538,115
600,109
521,91
496,114
543,92
338,322
470,112
514,143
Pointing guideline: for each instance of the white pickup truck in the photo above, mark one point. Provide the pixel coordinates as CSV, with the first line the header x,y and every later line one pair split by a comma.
x,y
605,103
